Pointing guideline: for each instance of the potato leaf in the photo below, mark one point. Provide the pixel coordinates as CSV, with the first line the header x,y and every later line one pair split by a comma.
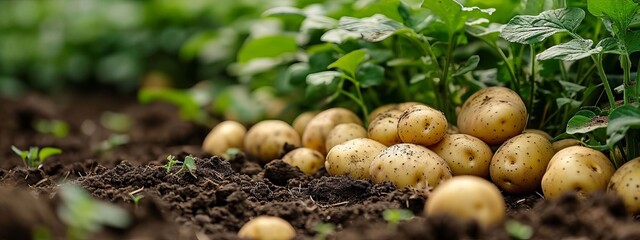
x,y
621,12
453,14
267,47
190,164
349,62
468,66
573,50
374,29
585,124
370,75
22,154
621,120
528,29
323,78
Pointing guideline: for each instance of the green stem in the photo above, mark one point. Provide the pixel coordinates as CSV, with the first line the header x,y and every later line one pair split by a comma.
x,y
402,84
443,84
358,99
532,97
632,143
605,81
629,86
638,83
586,75
505,59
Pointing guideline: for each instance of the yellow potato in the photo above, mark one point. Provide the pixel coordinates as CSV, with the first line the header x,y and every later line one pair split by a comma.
x,y
308,160
538,131
465,154
520,163
344,132
265,141
626,183
493,114
565,143
225,135
382,109
468,198
578,169
384,128
267,228
315,134
409,164
353,158
300,123
421,124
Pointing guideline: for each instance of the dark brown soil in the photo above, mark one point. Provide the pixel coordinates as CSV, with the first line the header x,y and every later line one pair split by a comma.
x,y
222,195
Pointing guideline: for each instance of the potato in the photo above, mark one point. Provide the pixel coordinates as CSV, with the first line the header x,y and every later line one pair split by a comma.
x,y
308,160
493,114
579,169
519,164
626,183
538,131
468,198
267,228
265,141
300,123
344,132
225,135
421,124
408,164
374,114
465,154
353,158
315,134
384,128
564,143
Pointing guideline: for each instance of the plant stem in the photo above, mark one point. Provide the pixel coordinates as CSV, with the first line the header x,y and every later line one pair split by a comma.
x,y
402,84
629,86
533,78
632,143
605,82
358,99
443,84
512,73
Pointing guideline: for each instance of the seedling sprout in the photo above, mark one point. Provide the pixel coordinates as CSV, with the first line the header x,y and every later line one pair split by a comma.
x,y
35,157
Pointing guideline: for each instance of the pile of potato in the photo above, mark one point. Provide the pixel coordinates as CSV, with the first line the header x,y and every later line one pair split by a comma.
x,y
413,145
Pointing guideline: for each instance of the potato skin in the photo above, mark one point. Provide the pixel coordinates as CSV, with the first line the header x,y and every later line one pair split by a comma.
x,y
625,182
353,158
579,169
421,124
468,197
344,132
384,128
465,154
265,140
308,160
493,114
301,121
408,164
225,135
565,143
315,134
519,164
267,228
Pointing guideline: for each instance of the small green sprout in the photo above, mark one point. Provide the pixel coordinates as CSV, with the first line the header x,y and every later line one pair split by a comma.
x,y
323,230
395,216
518,230
57,128
188,164
84,215
136,196
116,122
35,157
171,161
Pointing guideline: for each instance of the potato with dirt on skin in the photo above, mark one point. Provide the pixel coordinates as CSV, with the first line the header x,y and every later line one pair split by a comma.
x,y
301,121
384,128
307,160
468,198
538,131
225,135
267,228
465,154
625,182
408,164
344,132
577,169
519,164
493,114
421,124
315,134
565,143
353,158
391,106
266,140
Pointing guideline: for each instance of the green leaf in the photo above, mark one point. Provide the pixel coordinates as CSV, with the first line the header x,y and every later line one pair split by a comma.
x,y
374,29
632,42
518,230
32,157
323,78
370,75
610,45
189,108
564,101
48,152
267,47
491,32
573,50
621,120
22,154
453,14
528,29
585,124
413,3
395,216
384,7
571,87
349,62
621,12
190,164
470,65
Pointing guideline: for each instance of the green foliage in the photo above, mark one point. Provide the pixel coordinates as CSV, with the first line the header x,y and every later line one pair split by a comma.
x,y
323,230
35,156
518,230
187,164
116,122
57,128
85,215
395,216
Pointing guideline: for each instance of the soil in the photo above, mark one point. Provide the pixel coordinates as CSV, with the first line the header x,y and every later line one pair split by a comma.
x,y
216,199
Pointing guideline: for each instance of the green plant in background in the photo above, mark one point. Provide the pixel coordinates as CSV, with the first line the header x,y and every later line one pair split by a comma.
x,y
57,128
395,216
85,215
116,122
35,156
111,143
323,230
518,230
